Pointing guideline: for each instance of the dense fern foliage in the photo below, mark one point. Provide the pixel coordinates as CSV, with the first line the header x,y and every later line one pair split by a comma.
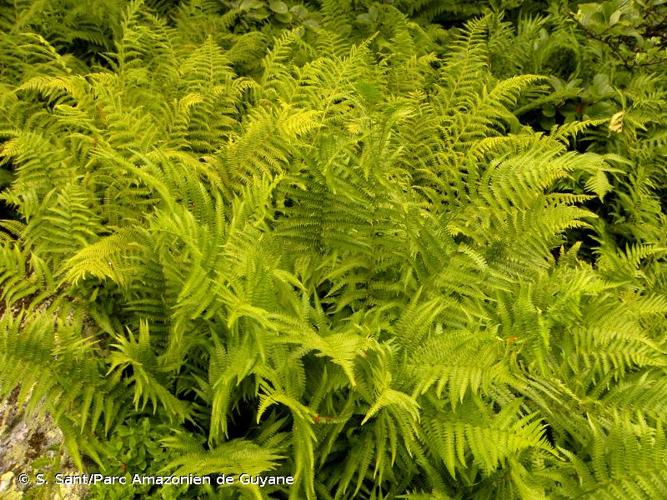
x,y
338,241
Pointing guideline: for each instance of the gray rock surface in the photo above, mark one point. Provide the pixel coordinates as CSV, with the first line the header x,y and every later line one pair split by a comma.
x,y
30,445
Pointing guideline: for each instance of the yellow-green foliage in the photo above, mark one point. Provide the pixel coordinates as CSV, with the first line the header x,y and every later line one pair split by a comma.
x,y
319,246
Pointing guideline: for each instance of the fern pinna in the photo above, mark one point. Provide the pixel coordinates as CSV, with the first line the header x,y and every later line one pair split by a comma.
x,y
319,251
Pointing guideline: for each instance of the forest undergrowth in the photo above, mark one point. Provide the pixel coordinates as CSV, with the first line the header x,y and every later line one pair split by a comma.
x,y
400,249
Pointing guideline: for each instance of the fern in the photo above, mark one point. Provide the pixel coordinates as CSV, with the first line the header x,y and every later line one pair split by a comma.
x,y
334,242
